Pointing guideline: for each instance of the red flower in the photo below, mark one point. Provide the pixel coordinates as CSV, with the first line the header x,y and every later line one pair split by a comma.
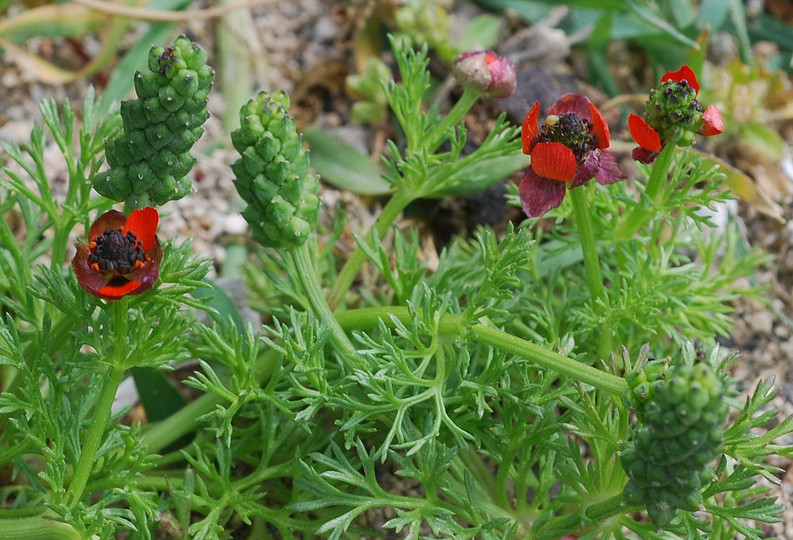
x,y
673,115
122,257
569,148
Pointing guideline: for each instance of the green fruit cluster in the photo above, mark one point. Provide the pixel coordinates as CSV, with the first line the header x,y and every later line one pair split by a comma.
x,y
680,414
150,160
674,111
272,175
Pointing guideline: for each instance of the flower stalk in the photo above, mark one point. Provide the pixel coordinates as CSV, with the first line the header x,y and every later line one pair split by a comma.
x,y
103,409
639,215
597,291
307,276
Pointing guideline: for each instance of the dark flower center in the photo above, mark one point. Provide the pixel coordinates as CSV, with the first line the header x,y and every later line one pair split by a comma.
x,y
115,252
572,131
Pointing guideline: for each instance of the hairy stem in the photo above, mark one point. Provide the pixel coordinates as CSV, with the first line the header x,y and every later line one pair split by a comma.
x,y
39,527
452,118
638,216
307,277
93,439
586,236
119,312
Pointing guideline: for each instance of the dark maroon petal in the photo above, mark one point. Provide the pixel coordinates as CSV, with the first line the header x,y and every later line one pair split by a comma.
x,y
155,253
643,155
110,220
588,169
88,279
572,103
609,170
538,194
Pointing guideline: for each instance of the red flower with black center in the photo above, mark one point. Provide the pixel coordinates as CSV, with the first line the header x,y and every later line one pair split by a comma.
x,y
673,115
122,257
570,148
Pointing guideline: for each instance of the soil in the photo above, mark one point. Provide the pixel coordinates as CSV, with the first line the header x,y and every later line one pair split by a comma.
x,y
307,47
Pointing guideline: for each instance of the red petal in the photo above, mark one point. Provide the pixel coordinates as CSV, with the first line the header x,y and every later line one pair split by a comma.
x,y
112,219
143,223
88,279
714,123
684,73
116,292
643,134
553,160
538,194
600,129
530,129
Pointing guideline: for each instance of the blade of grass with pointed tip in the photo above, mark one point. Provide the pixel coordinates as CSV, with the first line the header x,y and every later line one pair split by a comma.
x,y
157,395
343,166
217,299
746,188
485,173
49,73
52,20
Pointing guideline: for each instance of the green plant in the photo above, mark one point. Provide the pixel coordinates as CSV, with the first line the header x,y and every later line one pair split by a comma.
x,y
500,384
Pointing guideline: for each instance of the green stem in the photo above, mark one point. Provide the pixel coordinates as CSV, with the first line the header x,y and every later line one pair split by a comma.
x,y
347,275
38,527
586,236
638,216
360,319
63,228
452,118
595,512
307,277
93,439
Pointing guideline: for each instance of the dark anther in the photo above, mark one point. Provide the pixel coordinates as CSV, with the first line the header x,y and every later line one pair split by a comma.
x,y
115,252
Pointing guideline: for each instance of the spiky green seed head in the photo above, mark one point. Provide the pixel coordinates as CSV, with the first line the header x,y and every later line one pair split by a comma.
x,y
272,174
674,111
149,162
680,415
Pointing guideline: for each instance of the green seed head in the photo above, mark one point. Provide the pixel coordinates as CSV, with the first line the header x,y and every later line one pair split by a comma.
x,y
674,111
272,174
679,415
150,160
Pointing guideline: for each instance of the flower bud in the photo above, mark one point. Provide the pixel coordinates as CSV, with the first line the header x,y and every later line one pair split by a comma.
x,y
486,73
